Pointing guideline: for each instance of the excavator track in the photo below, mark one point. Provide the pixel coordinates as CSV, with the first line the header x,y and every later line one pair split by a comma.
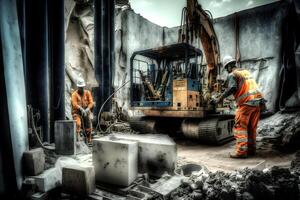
x,y
215,131
143,124
210,131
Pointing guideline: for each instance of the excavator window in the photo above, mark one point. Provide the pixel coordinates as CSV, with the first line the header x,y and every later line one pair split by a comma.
x,y
153,71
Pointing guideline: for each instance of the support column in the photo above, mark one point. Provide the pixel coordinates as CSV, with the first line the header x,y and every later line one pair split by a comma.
x,y
98,53
36,49
56,62
112,44
104,50
14,130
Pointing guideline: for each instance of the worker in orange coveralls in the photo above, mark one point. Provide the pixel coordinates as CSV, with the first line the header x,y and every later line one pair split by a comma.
x,y
82,105
249,101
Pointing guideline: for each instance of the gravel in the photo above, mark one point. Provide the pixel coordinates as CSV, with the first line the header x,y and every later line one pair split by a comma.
x,y
247,184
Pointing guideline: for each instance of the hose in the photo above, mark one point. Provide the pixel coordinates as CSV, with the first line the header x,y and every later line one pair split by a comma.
x,y
100,111
36,134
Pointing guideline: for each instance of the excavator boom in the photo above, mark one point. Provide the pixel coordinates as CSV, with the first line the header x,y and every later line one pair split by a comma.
x,y
196,23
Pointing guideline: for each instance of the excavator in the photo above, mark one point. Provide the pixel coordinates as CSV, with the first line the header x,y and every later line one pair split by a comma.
x,y
172,88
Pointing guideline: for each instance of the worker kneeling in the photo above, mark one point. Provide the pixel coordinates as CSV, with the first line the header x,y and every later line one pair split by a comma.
x,y
82,105
249,101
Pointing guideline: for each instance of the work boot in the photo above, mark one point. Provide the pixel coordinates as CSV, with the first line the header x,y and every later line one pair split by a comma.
x,y
235,155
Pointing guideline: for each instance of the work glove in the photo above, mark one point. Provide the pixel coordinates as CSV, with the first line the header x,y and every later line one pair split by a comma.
x,y
87,110
82,111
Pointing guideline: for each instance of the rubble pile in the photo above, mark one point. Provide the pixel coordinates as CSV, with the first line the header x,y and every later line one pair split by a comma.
x,y
284,127
247,184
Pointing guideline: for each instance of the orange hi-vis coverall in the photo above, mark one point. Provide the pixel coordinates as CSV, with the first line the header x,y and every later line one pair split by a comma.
x,y
85,101
248,100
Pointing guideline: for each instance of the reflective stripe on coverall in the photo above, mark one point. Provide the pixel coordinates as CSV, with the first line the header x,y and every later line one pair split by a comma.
x,y
84,101
247,116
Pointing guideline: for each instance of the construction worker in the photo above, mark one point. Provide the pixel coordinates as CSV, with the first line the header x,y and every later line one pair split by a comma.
x,y
249,101
82,105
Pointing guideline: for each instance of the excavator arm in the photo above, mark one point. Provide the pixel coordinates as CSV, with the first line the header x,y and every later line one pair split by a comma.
x,y
198,24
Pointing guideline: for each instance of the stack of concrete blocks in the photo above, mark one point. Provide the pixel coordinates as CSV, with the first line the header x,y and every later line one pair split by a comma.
x,y
115,160
48,180
34,161
157,153
78,179
65,137
118,158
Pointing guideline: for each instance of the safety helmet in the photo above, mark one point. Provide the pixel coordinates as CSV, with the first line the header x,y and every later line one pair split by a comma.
x,y
227,60
80,82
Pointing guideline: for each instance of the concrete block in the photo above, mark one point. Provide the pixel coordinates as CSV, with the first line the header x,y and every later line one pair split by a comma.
x,y
157,153
166,187
65,137
34,161
40,196
78,180
48,180
115,160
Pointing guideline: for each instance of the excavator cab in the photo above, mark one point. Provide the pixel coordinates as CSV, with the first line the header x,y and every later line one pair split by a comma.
x,y
169,76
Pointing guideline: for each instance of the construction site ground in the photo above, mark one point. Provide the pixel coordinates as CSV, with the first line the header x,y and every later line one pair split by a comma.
x,y
216,158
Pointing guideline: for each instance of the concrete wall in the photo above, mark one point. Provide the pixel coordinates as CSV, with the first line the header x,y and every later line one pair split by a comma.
x,y
133,32
260,44
79,47
259,36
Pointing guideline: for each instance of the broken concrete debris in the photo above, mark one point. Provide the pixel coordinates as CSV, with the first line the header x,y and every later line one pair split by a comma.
x,y
283,128
116,154
34,161
276,183
78,180
65,137
115,160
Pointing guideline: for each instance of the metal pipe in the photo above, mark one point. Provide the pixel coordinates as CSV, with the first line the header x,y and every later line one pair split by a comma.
x,y
104,50
106,67
98,53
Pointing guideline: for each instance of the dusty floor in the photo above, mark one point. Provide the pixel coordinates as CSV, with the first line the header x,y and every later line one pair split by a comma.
x,y
217,157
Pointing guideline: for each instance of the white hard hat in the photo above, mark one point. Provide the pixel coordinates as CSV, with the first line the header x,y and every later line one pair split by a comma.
x,y
228,59
80,82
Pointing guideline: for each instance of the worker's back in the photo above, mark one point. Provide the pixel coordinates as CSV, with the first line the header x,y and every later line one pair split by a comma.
x,y
247,87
